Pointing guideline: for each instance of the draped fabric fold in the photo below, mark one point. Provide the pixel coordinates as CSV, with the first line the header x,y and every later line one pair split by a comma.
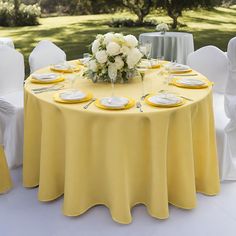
x,y
5,179
120,158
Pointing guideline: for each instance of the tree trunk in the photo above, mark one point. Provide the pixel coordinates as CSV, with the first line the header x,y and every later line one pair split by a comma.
x,y
175,22
140,17
16,11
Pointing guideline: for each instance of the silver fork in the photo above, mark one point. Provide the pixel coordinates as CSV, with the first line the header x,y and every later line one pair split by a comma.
x,y
144,96
88,104
139,106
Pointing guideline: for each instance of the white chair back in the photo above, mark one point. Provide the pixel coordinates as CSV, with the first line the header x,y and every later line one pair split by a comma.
x,y
45,54
212,63
230,91
12,70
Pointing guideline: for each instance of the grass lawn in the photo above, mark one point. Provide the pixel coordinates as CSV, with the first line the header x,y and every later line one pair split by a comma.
x,y
74,33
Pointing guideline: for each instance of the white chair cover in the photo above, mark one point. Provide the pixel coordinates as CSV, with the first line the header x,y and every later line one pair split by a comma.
x,y
230,108
213,63
45,54
11,104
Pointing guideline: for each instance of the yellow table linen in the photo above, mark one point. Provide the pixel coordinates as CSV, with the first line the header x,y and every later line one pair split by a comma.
x,y
121,158
5,179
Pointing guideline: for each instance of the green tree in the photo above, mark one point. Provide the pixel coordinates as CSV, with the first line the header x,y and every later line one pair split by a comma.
x,y
174,8
141,8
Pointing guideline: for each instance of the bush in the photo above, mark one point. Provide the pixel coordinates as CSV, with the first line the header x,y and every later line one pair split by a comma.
x,y
27,14
6,13
131,23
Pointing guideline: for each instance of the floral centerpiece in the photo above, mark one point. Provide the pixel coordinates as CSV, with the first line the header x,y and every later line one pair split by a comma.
x,y
163,27
114,58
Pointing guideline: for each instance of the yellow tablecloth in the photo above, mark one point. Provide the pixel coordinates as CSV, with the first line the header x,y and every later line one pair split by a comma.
x,y
5,179
121,158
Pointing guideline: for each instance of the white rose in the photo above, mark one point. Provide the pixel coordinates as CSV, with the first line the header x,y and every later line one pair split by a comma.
x,y
108,38
131,40
113,49
95,46
112,71
125,50
101,56
93,65
133,57
119,62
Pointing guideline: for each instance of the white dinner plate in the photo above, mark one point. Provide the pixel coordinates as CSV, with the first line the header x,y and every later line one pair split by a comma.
x,y
191,82
165,99
177,67
45,77
64,66
114,102
72,95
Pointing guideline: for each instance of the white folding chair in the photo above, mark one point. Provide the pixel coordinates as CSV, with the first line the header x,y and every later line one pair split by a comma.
x,y
213,63
230,108
12,73
45,54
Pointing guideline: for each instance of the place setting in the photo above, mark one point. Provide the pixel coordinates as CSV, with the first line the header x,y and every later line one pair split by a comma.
x,y
66,67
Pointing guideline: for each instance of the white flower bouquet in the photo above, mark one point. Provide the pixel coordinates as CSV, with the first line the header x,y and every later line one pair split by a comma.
x,y
114,58
163,27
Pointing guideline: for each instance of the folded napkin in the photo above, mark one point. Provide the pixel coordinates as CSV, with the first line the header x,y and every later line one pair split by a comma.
x,y
166,99
177,67
191,81
72,95
45,77
115,102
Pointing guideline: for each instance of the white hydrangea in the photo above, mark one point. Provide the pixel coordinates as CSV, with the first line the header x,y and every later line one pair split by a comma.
x,y
131,40
108,37
133,57
162,27
101,56
119,62
93,65
125,50
95,46
112,71
113,49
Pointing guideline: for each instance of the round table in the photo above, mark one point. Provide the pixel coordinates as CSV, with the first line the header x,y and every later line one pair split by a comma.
x,y
120,158
5,179
7,41
171,45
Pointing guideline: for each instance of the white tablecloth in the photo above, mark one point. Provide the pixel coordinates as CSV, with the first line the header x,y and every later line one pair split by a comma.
x,y
7,41
172,45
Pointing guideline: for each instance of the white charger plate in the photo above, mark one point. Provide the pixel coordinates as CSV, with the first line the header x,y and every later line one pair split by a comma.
x,y
72,95
114,102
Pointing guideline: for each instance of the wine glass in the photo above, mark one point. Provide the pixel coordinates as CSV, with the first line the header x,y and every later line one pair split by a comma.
x,y
86,58
112,75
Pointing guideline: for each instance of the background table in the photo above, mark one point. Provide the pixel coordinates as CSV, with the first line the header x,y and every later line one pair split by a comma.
x,y
5,179
120,158
7,41
171,45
